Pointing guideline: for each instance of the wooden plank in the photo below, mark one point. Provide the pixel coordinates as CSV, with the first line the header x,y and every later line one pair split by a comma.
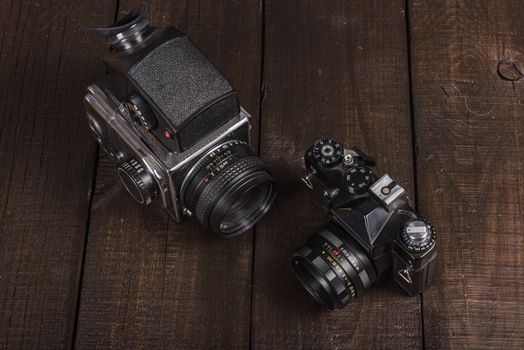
x,y
469,129
47,161
148,282
339,69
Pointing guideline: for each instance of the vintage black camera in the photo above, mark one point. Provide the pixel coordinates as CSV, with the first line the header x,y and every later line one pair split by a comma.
x,y
175,128
374,232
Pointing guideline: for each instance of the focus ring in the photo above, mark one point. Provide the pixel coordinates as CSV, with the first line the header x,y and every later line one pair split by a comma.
x,y
355,264
216,186
187,189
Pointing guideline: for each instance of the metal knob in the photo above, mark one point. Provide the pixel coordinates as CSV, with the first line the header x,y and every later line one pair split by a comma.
x,y
417,234
137,181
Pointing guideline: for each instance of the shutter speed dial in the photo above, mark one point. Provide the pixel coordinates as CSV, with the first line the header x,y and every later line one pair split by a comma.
x,y
328,152
418,235
358,179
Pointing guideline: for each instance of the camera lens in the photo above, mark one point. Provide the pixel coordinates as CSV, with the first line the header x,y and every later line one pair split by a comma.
x,y
229,189
333,267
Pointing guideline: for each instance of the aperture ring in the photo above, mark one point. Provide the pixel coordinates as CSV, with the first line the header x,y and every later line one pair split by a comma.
x,y
212,192
352,258
337,288
331,254
236,148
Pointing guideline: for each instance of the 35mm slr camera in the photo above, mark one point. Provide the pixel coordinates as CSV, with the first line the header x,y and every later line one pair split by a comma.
x,y
174,126
374,232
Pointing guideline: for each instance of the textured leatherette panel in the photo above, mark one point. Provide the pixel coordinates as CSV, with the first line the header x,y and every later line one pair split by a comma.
x,y
179,79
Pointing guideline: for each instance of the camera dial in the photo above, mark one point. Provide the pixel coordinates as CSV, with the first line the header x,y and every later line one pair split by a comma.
x,y
328,152
140,111
358,179
418,235
137,181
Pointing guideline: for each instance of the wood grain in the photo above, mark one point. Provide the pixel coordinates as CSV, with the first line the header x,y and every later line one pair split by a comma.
x,y
47,161
467,88
149,283
336,69
330,68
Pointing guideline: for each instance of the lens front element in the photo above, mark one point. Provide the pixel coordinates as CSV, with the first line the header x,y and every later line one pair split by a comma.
x,y
247,207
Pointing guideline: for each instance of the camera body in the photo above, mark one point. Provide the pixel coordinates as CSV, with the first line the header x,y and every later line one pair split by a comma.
x,y
174,126
374,231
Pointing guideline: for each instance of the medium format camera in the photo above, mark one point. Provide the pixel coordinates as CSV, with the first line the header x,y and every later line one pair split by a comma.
x,y
374,232
174,126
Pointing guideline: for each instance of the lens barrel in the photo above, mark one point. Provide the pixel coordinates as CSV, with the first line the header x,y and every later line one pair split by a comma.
x,y
229,189
333,267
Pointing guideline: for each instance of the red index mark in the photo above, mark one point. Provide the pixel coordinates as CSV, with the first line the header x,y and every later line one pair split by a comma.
x,y
335,253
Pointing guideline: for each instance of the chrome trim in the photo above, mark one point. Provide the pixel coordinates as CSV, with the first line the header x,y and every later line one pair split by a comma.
x,y
307,180
406,274
234,127
113,115
386,193
115,119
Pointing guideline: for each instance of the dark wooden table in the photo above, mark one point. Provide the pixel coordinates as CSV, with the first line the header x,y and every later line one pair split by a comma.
x,y
431,88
